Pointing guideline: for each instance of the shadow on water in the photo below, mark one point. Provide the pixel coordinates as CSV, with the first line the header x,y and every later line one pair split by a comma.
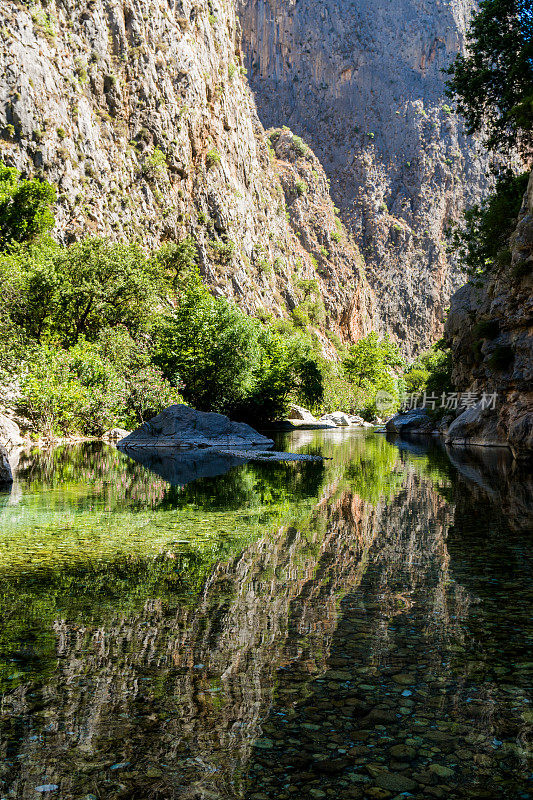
x,y
289,630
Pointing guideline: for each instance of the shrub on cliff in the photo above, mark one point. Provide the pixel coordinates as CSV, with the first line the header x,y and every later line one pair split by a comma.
x,y
25,207
482,239
430,372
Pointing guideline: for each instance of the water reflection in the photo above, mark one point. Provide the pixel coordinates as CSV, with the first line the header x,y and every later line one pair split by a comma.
x,y
289,630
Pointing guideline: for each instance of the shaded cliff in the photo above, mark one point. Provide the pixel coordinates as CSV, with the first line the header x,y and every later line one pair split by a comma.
x,y
490,330
141,115
362,83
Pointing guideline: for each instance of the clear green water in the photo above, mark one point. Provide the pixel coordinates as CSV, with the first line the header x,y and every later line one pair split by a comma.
x,y
358,629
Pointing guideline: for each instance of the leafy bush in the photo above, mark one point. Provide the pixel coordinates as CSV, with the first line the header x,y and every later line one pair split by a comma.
x,y
212,158
487,328
25,207
431,371
501,358
483,237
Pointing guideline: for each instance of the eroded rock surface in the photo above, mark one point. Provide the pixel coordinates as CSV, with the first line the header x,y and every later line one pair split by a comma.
x,y
362,82
490,329
141,115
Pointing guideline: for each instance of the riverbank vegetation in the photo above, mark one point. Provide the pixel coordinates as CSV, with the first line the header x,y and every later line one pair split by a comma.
x,y
97,334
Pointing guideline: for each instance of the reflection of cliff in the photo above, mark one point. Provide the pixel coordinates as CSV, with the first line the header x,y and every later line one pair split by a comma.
x,y
182,691
412,700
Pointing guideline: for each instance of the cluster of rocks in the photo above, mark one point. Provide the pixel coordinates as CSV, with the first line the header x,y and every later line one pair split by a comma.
x,y
301,418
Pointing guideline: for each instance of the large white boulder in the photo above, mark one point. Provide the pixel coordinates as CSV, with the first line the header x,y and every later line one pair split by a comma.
x,y
301,414
181,426
9,433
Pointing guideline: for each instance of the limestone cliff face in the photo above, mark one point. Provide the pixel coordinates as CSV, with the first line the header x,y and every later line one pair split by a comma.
x,y
490,329
141,114
361,81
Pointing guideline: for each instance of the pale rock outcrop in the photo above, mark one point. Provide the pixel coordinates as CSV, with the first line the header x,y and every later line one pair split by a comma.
x,y
301,414
490,330
9,433
338,418
181,426
115,434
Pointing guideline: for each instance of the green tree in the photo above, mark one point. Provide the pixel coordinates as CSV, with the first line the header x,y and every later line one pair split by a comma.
x,y
482,239
431,371
369,359
25,207
492,83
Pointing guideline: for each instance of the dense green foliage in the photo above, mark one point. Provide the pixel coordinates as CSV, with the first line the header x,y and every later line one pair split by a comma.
x,y
25,207
482,240
371,364
493,83
430,372
99,334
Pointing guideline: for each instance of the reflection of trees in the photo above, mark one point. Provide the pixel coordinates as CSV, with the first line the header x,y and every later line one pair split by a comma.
x,y
262,580
187,685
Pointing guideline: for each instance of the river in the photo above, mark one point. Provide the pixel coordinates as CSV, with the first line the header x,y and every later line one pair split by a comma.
x,y
359,628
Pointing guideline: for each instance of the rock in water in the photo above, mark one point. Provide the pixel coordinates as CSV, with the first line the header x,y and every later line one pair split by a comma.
x,y
415,421
181,426
115,434
6,477
338,418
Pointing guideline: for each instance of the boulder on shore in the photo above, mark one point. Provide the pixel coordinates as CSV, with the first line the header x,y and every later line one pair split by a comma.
x,y
9,433
338,418
6,477
181,426
415,421
301,414
301,419
115,434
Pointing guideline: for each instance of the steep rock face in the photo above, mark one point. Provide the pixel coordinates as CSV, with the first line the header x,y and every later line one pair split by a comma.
x,y
362,83
490,329
140,113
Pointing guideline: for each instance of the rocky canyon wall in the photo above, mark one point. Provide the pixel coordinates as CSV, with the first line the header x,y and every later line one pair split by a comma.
x,y
362,82
490,330
140,113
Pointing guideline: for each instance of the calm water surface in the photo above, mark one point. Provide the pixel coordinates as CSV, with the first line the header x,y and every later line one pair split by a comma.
x,y
357,629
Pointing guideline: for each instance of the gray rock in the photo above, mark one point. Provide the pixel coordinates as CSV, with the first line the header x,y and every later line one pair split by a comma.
x,y
415,420
300,413
182,427
395,783
354,419
338,418
6,477
475,426
9,433
115,434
